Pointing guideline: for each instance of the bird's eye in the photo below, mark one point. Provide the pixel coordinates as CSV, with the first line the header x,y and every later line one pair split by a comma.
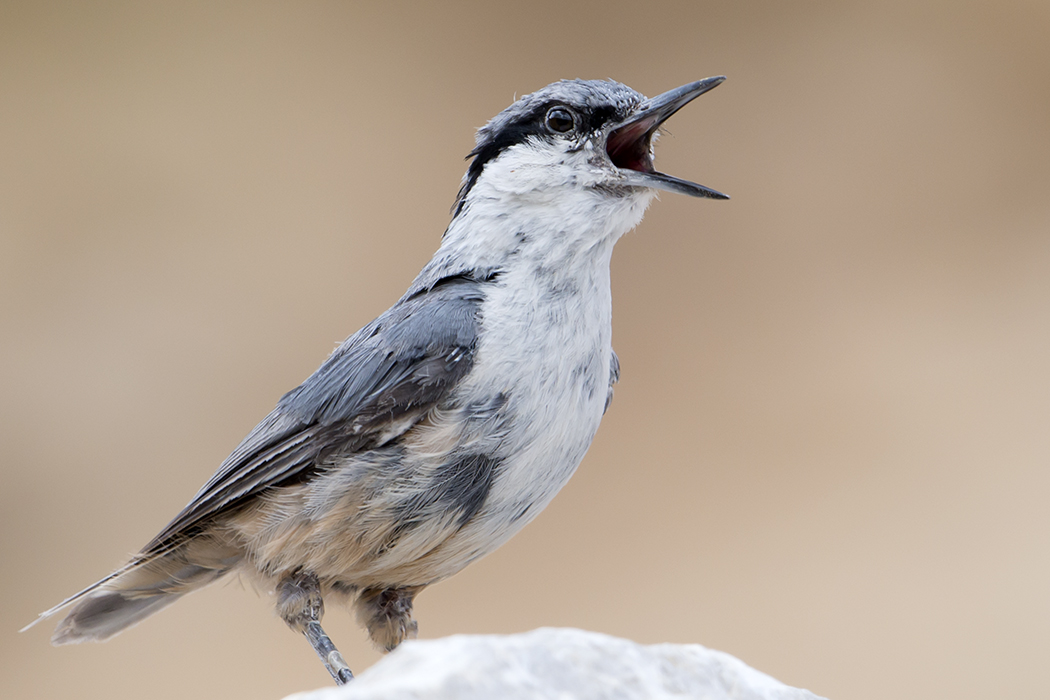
x,y
560,120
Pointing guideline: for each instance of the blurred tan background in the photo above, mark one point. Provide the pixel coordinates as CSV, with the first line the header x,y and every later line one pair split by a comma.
x,y
829,451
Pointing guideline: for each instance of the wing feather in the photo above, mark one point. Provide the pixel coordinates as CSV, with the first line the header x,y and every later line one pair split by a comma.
x,y
375,386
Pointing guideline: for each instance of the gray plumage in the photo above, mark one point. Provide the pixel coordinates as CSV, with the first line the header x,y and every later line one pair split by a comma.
x,y
434,433
379,382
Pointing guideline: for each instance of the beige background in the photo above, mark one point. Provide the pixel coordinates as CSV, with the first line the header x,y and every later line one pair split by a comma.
x,y
829,451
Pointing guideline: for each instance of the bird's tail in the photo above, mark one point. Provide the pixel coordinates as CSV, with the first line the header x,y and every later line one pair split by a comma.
x,y
139,589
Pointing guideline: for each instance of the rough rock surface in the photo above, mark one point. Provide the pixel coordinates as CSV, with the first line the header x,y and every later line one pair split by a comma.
x,y
562,664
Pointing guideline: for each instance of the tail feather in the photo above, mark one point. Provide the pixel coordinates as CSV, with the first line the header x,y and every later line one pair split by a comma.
x,y
137,590
80,595
105,613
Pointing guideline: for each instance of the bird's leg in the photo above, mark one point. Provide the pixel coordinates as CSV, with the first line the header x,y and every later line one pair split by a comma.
x,y
299,603
330,656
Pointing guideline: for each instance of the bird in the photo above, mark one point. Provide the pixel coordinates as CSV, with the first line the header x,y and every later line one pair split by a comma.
x,y
437,431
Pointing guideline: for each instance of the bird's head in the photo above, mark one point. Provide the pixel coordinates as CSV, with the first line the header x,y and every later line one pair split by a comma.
x,y
577,137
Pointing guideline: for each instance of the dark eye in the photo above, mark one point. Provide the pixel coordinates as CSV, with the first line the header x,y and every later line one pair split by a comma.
x,y
560,120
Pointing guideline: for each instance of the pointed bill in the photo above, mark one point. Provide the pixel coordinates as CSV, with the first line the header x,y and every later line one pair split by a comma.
x,y
629,144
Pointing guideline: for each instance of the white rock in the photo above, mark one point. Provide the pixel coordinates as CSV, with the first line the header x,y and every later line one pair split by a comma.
x,y
557,664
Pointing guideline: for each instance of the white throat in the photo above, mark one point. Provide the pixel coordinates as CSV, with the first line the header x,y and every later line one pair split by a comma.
x,y
532,205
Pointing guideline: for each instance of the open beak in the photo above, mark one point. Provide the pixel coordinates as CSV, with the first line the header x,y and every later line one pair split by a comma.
x,y
629,144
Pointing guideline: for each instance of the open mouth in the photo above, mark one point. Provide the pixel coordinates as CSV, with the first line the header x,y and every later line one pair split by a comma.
x,y
629,145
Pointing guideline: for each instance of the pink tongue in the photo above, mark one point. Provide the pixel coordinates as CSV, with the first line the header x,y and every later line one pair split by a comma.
x,y
628,147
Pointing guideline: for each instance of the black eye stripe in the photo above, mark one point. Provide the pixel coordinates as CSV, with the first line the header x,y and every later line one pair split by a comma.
x,y
530,123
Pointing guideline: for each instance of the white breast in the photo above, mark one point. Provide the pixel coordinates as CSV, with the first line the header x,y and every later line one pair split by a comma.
x,y
547,344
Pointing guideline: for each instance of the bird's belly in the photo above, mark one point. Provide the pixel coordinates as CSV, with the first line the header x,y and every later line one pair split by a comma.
x,y
523,484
